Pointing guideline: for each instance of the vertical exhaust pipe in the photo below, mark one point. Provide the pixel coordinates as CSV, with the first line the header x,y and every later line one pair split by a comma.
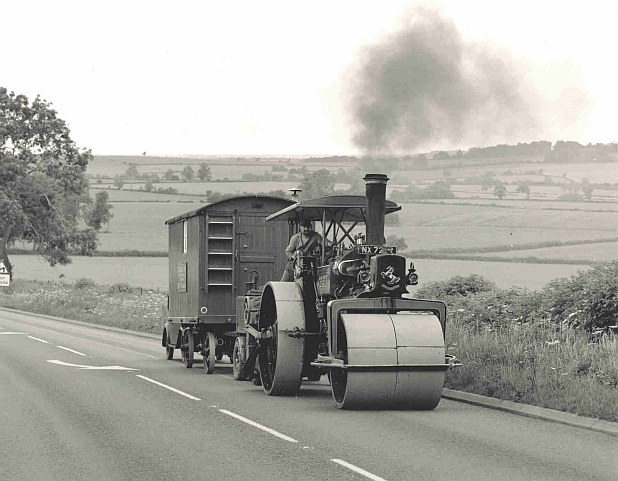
x,y
375,192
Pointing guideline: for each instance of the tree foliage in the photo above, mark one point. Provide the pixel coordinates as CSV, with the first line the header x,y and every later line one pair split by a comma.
x,y
188,174
43,182
169,175
98,213
500,190
524,188
204,173
438,190
317,184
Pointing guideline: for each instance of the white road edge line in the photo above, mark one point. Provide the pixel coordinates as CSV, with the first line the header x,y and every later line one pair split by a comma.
x,y
37,339
168,387
259,426
358,470
71,350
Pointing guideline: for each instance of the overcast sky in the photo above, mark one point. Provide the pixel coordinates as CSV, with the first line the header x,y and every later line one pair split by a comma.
x,y
282,77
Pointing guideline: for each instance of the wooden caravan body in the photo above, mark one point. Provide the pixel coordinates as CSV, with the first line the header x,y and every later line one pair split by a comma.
x,y
219,252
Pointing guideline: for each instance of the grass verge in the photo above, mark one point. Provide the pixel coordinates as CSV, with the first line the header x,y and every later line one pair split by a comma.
x,y
117,305
537,365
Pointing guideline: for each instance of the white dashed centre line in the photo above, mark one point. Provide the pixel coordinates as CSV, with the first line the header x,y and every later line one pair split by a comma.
x,y
259,426
169,387
358,470
71,350
40,340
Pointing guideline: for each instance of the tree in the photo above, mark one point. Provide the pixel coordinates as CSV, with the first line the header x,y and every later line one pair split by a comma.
x,y
438,190
500,190
169,175
131,172
318,184
42,173
442,154
118,182
587,188
204,173
98,214
188,174
398,242
524,188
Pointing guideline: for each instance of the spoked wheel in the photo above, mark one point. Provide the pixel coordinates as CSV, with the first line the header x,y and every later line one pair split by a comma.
x,y
169,348
281,359
268,360
187,348
210,345
237,364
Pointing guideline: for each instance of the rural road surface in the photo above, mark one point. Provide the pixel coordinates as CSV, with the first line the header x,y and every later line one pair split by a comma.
x,y
79,403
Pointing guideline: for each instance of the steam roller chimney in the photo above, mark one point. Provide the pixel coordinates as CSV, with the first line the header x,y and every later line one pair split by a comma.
x,y
375,191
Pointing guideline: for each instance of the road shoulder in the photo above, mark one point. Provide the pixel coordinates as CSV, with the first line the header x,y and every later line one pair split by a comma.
x,y
536,412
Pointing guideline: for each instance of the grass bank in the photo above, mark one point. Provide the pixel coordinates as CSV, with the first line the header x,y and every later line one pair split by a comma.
x,y
513,344
118,305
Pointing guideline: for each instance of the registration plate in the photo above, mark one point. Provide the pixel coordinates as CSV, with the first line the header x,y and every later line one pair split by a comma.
x,y
365,249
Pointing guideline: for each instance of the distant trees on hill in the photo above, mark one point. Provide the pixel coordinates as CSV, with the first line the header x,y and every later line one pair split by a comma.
x,y
540,148
576,152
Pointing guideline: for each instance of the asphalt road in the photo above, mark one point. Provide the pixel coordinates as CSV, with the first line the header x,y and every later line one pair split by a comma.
x,y
79,403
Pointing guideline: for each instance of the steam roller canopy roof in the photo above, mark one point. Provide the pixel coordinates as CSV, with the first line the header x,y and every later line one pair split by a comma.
x,y
340,208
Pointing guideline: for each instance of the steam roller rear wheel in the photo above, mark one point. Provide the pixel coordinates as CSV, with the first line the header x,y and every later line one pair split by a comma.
x,y
375,340
281,360
210,345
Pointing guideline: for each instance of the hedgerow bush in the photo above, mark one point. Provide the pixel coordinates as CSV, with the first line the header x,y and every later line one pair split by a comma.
x,y
456,286
84,283
587,300
496,309
120,288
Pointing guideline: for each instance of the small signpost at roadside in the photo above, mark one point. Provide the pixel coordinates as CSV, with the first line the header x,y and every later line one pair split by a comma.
x,y
5,278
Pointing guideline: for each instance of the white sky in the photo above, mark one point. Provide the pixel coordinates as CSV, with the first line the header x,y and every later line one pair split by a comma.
x,y
267,77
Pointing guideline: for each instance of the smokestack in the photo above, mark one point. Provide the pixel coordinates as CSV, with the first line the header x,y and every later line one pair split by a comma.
x,y
375,191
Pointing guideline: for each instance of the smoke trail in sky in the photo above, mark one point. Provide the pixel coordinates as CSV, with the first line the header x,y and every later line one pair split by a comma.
x,y
424,85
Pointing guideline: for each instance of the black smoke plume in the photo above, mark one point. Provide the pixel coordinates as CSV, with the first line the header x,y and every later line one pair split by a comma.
x,y
424,85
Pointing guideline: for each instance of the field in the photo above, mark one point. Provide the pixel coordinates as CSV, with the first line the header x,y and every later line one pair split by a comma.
x,y
221,167
141,225
605,206
424,226
442,226
585,252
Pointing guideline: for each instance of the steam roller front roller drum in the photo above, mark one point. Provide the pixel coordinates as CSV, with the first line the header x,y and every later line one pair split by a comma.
x,y
281,360
380,343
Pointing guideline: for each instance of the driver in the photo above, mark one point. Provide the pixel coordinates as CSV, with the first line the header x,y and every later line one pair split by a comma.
x,y
304,243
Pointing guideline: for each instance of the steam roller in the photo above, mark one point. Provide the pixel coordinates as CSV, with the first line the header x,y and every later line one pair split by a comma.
x,y
346,314
383,360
